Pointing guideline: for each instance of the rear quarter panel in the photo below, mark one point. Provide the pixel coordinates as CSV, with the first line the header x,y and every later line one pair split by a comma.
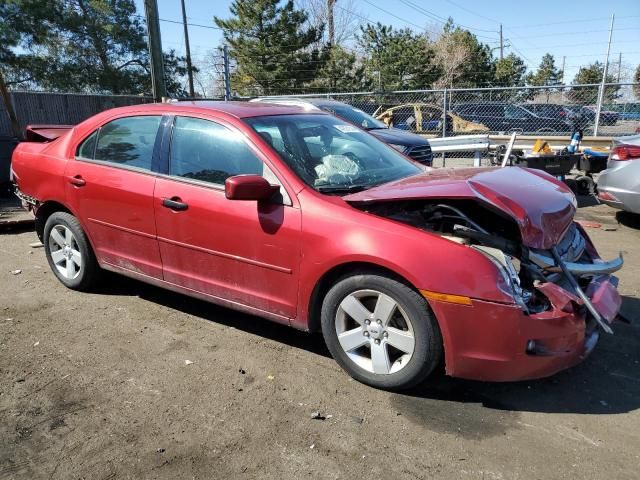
x,y
39,169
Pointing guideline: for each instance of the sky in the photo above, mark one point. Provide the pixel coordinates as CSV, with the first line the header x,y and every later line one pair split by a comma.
x,y
575,30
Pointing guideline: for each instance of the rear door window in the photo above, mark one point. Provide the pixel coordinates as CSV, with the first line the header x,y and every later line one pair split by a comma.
x,y
127,141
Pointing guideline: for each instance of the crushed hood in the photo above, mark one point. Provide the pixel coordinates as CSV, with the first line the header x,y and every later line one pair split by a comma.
x,y
542,206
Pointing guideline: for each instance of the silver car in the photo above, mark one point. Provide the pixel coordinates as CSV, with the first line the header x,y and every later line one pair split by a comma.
x,y
619,184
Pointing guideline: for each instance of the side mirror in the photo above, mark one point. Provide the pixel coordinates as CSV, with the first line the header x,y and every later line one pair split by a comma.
x,y
249,187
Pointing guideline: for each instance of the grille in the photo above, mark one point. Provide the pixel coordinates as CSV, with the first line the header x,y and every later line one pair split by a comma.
x,y
421,154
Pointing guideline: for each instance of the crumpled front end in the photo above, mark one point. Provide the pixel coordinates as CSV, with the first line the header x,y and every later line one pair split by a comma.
x,y
563,294
563,299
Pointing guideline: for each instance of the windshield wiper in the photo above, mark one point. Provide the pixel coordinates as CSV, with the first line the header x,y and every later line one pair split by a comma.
x,y
342,188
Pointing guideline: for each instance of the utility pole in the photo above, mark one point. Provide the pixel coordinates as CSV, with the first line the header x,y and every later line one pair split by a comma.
x,y
619,66
227,77
564,58
188,50
604,80
501,44
330,25
155,50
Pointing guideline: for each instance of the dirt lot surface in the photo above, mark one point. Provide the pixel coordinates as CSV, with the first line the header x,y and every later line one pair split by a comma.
x,y
136,382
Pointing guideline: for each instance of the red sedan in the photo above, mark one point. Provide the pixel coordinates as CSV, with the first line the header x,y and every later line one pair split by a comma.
x,y
306,220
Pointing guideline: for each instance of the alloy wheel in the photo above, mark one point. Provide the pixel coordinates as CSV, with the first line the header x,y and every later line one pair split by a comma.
x,y
375,332
65,252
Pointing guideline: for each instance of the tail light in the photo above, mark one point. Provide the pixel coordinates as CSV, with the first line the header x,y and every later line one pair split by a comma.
x,y
602,195
625,152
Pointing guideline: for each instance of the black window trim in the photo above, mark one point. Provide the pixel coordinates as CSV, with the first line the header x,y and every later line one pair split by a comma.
x,y
154,156
165,156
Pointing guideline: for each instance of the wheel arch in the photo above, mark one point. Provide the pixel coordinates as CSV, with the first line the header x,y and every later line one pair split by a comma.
x,y
329,278
44,211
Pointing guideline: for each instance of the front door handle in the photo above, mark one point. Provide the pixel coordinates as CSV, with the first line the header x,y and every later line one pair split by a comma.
x,y
76,180
174,203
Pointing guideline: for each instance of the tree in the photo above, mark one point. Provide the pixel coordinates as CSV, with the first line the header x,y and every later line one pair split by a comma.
x,y
397,59
636,80
83,45
273,49
462,59
592,74
547,73
346,19
510,71
343,72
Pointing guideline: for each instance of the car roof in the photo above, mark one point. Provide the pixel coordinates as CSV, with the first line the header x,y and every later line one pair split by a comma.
x,y
315,101
236,109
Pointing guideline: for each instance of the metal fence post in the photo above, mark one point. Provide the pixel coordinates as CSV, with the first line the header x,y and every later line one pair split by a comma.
x,y
596,119
227,76
444,123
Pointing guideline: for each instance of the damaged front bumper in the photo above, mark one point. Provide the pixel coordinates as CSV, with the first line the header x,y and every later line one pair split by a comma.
x,y
511,345
553,323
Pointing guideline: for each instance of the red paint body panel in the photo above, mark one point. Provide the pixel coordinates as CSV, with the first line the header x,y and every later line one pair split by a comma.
x,y
542,208
245,251
268,259
116,210
497,351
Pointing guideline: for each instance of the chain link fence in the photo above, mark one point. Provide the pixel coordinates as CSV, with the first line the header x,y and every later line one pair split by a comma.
x,y
554,110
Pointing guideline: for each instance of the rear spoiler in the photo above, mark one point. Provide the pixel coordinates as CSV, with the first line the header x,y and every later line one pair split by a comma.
x,y
45,133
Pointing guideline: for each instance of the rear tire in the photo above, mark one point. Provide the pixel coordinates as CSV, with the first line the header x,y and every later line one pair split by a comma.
x,y
381,331
69,253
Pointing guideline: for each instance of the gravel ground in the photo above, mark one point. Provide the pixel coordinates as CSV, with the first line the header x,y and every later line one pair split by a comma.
x,y
136,382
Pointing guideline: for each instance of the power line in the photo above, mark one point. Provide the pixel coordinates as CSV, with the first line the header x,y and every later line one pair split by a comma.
x,y
574,45
600,19
442,20
471,11
394,15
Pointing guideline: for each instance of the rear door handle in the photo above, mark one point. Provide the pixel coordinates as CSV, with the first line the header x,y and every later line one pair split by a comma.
x,y
76,180
174,203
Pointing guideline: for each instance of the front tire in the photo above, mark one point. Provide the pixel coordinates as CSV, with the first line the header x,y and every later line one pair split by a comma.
x,y
380,331
69,253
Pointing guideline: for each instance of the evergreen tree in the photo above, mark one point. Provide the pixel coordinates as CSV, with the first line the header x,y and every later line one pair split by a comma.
x,y
592,74
547,73
510,71
273,50
343,72
80,45
396,59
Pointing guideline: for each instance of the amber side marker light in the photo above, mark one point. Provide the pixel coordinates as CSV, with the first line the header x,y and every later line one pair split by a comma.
x,y
445,297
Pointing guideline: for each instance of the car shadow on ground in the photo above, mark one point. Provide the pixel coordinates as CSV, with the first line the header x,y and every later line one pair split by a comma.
x,y
118,285
608,382
587,201
628,219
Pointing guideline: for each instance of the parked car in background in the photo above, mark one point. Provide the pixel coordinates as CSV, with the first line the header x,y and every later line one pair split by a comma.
x,y
589,114
549,110
619,184
412,145
505,117
426,118
299,217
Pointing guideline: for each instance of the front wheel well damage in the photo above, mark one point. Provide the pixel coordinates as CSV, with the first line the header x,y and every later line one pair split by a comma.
x,y
334,275
44,211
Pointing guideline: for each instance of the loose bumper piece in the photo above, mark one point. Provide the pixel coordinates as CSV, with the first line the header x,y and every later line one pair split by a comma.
x,y
550,265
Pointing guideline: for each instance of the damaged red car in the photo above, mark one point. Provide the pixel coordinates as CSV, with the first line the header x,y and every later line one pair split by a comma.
x,y
306,220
